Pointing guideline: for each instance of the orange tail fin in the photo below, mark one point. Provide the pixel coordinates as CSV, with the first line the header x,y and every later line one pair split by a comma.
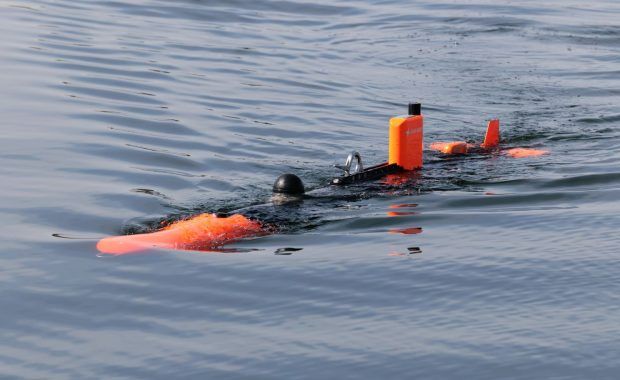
x,y
491,139
205,231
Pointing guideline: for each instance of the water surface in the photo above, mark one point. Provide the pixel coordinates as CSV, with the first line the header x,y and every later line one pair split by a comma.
x,y
117,115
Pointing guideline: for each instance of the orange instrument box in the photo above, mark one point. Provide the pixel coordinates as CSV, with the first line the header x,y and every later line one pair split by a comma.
x,y
406,139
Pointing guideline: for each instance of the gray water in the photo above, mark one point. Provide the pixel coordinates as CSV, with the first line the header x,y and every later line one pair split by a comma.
x,y
118,115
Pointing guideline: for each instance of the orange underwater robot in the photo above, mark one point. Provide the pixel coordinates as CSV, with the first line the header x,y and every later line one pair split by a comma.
x,y
405,153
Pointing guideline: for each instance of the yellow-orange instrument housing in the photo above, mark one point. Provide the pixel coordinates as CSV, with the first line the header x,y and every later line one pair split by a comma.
x,y
406,141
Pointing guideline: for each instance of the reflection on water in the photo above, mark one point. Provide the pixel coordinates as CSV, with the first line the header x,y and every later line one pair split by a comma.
x,y
406,231
121,117
400,213
404,205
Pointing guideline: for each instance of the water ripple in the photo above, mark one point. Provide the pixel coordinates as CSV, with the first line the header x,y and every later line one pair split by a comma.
x,y
120,117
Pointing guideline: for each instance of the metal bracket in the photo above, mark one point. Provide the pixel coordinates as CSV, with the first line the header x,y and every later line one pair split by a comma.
x,y
347,165
369,174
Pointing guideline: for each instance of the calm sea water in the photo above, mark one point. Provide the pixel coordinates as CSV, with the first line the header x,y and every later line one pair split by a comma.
x,y
116,115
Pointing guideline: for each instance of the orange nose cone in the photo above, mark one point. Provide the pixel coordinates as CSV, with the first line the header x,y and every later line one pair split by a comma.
x,y
118,245
205,231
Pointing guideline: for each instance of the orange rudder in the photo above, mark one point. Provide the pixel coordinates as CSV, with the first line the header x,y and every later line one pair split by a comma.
x,y
491,138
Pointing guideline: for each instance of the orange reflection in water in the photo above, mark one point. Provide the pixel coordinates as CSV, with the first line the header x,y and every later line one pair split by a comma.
x,y
406,231
402,179
404,205
401,206
400,213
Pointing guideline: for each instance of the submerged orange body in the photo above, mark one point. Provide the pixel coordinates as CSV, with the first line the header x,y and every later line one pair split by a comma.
x,y
453,147
205,231
406,141
525,152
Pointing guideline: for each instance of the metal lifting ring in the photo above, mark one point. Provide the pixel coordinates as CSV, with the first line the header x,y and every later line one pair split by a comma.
x,y
347,165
